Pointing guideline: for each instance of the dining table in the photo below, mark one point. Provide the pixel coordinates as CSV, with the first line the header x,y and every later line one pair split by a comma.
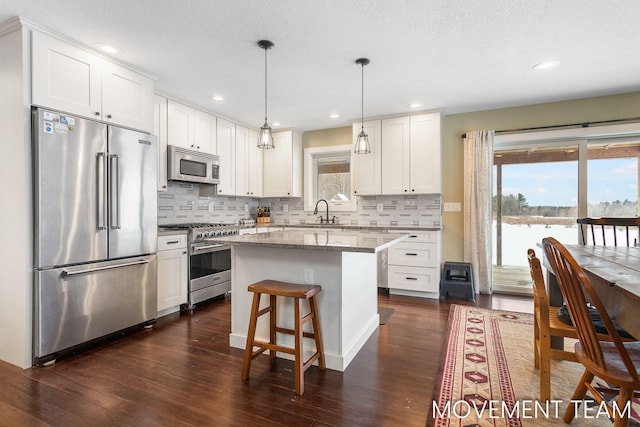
x,y
614,272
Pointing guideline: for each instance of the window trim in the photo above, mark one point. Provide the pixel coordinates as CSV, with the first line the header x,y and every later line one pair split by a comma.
x,y
310,173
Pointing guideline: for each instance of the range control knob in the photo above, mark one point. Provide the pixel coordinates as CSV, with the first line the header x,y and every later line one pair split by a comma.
x,y
199,235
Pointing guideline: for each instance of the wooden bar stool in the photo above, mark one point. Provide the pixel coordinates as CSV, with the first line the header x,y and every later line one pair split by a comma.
x,y
298,292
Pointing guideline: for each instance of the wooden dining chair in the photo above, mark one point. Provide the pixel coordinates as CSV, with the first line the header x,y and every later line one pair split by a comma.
x,y
546,325
615,362
630,225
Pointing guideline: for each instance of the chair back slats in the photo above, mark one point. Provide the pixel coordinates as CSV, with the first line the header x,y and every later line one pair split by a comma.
x,y
602,224
540,299
576,289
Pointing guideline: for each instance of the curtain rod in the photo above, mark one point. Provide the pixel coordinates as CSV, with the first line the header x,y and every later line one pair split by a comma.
x,y
567,125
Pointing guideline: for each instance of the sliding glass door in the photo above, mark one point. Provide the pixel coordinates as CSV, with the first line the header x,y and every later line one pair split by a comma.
x,y
541,190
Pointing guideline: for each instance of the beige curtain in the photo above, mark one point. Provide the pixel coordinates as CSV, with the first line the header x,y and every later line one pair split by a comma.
x,y
478,221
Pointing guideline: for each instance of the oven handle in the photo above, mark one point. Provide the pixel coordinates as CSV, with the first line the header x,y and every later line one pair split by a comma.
x,y
209,248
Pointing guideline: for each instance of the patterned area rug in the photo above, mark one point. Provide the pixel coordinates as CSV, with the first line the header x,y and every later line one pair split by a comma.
x,y
487,376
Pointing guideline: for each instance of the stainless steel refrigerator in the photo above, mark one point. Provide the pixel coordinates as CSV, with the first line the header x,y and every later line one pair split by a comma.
x,y
95,231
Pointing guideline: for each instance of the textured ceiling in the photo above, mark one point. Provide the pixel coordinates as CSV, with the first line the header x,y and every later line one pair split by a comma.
x,y
449,55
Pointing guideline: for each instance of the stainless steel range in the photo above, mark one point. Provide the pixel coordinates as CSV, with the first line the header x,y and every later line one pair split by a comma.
x,y
209,264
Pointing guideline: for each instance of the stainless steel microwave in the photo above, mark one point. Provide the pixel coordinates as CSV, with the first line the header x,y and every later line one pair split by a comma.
x,y
192,166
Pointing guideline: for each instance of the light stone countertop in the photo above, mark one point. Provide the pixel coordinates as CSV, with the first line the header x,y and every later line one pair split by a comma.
x,y
343,241
380,228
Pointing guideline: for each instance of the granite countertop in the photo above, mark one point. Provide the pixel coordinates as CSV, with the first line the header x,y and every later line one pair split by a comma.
x,y
355,227
343,241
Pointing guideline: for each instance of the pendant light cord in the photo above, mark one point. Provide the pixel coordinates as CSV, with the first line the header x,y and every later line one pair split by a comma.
x,y
265,84
362,97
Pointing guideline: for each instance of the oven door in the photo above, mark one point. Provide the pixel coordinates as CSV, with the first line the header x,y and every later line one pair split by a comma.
x,y
209,270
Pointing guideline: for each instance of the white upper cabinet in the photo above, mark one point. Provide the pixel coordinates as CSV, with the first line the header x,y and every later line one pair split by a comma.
x,y
425,161
395,155
254,165
282,173
226,151
410,161
366,167
70,79
190,128
204,132
160,130
248,163
242,160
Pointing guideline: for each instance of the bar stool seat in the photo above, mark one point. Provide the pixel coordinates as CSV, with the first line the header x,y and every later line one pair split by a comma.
x,y
298,292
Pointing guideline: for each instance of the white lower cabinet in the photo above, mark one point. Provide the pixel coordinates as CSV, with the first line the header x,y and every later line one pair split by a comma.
x,y
172,273
414,264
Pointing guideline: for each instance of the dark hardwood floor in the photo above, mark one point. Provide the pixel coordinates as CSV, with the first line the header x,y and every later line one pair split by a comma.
x,y
183,372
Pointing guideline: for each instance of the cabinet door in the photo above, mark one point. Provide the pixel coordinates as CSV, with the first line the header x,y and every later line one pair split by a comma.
x,y
425,161
226,151
180,125
160,130
367,167
395,155
172,278
242,161
255,165
277,172
127,97
65,77
204,132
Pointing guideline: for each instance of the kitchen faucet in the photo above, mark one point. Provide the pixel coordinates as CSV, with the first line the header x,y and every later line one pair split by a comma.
x,y
315,211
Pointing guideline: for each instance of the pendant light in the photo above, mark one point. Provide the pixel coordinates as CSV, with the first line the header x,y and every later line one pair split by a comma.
x,y
265,138
362,141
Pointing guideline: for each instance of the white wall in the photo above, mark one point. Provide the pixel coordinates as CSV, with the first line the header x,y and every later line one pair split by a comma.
x,y
15,212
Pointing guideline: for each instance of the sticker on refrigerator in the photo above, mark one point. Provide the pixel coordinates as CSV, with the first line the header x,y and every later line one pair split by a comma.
x,y
50,116
61,128
48,126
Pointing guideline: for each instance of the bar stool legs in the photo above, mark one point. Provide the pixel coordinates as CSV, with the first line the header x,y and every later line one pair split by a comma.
x,y
298,293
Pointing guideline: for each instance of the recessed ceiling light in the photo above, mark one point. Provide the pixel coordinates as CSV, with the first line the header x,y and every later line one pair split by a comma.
x,y
415,105
275,124
217,98
545,65
107,48
334,116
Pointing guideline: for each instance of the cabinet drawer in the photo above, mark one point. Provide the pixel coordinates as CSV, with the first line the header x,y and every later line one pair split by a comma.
x,y
414,254
413,278
174,241
419,236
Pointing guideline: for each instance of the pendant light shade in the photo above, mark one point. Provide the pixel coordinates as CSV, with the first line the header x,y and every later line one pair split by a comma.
x,y
265,138
362,141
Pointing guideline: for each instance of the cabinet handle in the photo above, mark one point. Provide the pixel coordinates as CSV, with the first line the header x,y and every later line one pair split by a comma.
x,y
97,113
173,242
405,190
108,116
184,252
413,236
411,254
411,278
198,147
413,189
164,186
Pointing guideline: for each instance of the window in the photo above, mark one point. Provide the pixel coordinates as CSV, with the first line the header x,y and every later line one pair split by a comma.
x,y
542,186
328,176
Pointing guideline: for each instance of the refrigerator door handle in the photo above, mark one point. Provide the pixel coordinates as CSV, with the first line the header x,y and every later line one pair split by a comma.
x,y
114,214
101,160
66,273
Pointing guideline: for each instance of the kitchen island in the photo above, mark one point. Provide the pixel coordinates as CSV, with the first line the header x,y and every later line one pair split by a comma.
x,y
342,262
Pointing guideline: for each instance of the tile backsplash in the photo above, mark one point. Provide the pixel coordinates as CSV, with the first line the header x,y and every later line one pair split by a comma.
x,y
182,203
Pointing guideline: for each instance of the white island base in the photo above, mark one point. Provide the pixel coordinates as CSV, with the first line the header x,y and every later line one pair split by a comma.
x,y
348,302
